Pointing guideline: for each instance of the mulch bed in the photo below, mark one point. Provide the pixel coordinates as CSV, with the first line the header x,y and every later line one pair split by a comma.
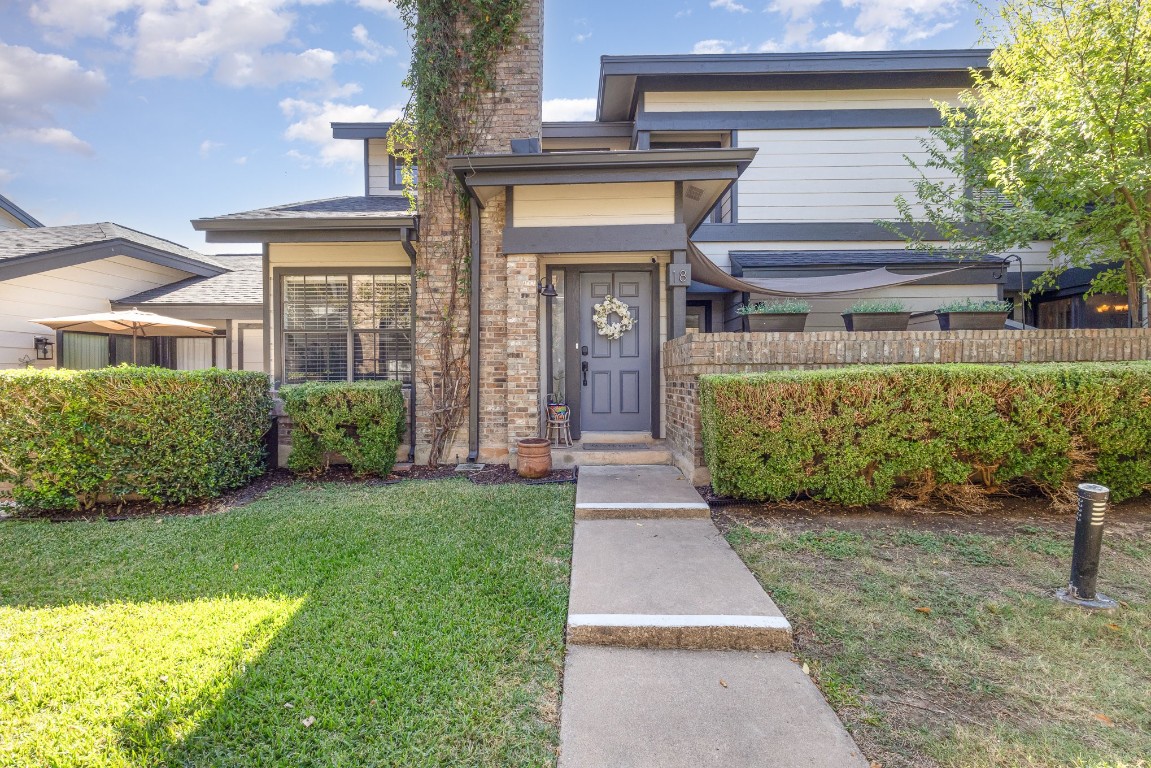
x,y
492,474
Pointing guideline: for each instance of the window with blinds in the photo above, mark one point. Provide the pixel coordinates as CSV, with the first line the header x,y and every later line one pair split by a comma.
x,y
346,327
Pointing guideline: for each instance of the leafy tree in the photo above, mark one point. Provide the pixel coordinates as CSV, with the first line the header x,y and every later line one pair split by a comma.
x,y
1053,141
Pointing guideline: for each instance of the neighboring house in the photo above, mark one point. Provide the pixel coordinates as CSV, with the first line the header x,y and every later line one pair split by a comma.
x,y
742,171
79,269
13,216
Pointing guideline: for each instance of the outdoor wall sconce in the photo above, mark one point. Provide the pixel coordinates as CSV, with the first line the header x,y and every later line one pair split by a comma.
x,y
43,347
547,290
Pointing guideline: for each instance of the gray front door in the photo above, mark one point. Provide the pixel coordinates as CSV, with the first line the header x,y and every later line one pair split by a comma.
x,y
616,383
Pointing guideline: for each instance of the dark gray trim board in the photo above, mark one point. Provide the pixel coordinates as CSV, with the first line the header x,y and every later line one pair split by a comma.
x,y
22,266
605,239
788,119
22,215
389,234
253,312
587,130
600,176
829,231
360,130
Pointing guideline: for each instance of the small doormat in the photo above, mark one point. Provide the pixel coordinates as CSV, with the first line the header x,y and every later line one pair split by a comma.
x,y
616,447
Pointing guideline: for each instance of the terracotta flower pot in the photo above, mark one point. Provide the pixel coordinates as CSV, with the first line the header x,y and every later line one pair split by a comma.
x,y
534,457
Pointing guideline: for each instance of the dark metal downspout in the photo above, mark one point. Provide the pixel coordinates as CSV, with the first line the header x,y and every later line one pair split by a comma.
x,y
406,242
474,341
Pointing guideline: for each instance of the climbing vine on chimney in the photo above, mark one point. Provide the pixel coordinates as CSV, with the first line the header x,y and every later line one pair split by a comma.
x,y
455,49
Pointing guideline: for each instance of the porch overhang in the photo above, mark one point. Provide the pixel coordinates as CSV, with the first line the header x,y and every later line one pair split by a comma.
x,y
701,175
705,271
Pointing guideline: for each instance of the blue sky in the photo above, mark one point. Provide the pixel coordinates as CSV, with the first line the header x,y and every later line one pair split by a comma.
x,y
153,112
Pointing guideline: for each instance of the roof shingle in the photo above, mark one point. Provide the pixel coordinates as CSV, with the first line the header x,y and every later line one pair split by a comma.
x,y
16,243
243,285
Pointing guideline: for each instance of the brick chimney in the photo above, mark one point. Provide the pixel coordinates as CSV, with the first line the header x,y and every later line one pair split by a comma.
x,y
519,84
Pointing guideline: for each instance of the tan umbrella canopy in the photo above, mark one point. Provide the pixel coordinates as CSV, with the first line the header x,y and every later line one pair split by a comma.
x,y
129,322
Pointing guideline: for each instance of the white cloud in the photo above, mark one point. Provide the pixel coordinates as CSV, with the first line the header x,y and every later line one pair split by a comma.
x,y
6,176
312,124
207,147
729,5
795,9
57,138
569,110
844,41
242,160
717,46
370,50
32,82
241,43
896,15
386,7
683,14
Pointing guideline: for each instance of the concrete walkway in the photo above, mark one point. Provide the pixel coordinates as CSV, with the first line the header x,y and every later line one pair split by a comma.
x,y
676,655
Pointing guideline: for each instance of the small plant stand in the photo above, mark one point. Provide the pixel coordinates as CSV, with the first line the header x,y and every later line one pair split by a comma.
x,y
559,429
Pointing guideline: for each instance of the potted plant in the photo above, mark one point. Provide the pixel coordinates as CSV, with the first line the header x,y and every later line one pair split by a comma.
x,y
777,315
973,315
877,315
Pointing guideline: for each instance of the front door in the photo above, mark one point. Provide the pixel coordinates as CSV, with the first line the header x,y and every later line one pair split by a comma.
x,y
615,374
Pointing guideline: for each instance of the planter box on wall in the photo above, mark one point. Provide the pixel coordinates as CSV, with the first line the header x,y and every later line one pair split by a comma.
x,y
777,321
971,321
876,321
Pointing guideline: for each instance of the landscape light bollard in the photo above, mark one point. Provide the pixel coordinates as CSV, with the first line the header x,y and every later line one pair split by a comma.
x,y
1093,502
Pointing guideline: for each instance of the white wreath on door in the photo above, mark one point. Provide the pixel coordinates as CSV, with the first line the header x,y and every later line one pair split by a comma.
x,y
612,306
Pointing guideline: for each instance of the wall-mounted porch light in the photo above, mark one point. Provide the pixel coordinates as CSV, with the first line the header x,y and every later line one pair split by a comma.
x,y
43,347
547,290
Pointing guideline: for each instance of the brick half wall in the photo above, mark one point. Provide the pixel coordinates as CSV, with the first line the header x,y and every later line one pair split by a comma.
x,y
687,358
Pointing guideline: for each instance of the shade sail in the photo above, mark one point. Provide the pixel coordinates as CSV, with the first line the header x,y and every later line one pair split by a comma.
x,y
705,270
129,322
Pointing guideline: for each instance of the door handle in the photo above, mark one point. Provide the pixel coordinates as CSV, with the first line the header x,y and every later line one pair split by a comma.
x,y
584,369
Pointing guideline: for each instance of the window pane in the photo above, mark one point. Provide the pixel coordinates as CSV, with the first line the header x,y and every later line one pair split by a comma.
x,y
315,357
315,302
383,355
83,351
381,301
1106,310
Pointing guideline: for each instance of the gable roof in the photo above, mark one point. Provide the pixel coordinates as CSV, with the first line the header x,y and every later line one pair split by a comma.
x,y
243,285
18,213
29,251
379,217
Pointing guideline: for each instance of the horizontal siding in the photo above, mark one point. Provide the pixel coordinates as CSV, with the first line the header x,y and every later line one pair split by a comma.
x,y
8,221
379,170
762,101
842,174
320,255
582,205
69,291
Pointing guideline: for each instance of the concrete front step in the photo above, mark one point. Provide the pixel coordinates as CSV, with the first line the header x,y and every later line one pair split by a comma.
x,y
644,438
634,491
564,457
666,584
632,708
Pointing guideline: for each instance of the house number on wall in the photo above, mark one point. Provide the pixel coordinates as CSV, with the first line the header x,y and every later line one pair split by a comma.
x,y
678,275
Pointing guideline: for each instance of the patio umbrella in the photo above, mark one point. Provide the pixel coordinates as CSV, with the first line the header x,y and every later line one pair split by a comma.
x,y
130,322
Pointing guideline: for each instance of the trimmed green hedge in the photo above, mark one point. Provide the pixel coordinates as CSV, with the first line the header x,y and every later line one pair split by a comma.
x,y
361,421
68,438
858,435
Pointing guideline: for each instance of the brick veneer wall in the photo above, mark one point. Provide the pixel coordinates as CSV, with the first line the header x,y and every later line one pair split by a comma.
x,y
515,108
687,358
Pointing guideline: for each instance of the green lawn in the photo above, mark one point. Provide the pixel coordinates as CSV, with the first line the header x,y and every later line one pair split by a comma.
x,y
938,641
324,625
